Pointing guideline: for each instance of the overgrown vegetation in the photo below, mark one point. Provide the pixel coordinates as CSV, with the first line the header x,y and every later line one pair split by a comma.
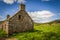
x,y
2,33
41,32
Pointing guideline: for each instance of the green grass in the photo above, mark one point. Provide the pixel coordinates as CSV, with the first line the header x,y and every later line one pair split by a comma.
x,y
48,28
2,33
41,32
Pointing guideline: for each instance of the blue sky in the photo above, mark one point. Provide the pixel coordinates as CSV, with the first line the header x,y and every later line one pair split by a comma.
x,y
39,10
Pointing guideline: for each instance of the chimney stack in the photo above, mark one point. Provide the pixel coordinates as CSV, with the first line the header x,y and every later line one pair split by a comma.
x,y
22,7
8,16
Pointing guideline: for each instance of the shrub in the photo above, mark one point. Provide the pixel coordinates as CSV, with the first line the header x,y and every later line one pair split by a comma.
x,y
2,33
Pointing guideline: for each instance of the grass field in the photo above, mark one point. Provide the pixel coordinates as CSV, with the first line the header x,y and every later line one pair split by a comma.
x,y
48,28
41,32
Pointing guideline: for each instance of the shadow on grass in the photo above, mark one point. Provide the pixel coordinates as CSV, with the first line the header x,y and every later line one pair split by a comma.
x,y
25,32
37,34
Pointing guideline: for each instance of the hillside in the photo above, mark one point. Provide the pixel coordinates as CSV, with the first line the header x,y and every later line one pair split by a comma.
x,y
56,21
41,32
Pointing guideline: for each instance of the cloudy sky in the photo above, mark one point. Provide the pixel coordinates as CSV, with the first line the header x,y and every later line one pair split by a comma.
x,y
41,11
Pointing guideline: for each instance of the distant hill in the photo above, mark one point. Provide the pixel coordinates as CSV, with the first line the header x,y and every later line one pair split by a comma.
x,y
55,21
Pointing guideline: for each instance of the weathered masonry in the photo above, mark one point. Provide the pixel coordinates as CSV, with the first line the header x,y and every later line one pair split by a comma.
x,y
19,22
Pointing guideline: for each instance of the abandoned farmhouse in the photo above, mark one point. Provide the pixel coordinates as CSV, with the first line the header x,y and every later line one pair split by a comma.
x,y
19,22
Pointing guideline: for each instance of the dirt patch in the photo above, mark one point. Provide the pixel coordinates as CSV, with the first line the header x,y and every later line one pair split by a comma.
x,y
11,39
2,38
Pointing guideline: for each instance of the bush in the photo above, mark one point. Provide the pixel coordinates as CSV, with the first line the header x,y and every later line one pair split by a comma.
x,y
2,33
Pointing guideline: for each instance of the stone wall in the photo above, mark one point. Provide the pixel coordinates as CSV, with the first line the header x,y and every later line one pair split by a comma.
x,y
0,26
20,22
4,26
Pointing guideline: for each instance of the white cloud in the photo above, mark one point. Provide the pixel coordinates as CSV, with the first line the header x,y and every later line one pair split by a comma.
x,y
45,0
12,1
41,16
1,17
9,1
21,1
